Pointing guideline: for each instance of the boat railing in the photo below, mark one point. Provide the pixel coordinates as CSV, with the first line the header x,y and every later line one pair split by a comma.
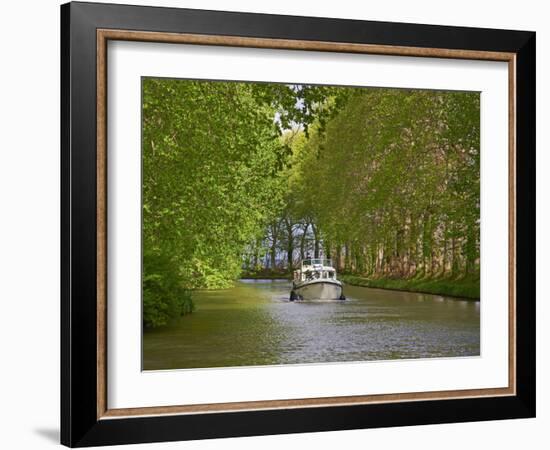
x,y
317,261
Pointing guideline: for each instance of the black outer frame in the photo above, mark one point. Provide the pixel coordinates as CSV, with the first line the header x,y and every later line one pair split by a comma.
x,y
79,423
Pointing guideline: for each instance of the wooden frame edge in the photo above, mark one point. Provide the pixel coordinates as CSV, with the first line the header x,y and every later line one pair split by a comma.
x,y
512,200
103,35
289,44
303,403
101,223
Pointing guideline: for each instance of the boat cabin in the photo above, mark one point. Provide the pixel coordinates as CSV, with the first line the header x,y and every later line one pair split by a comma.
x,y
315,269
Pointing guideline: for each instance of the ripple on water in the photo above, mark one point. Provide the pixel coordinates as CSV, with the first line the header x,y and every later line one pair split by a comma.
x,y
254,324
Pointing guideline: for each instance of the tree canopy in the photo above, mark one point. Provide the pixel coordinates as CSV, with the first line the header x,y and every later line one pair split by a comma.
x,y
255,176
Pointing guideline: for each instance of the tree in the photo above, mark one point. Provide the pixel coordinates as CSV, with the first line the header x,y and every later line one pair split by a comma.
x,y
211,159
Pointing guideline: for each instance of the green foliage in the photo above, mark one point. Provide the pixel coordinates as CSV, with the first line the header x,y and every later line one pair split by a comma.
x,y
164,297
301,105
385,181
398,173
212,162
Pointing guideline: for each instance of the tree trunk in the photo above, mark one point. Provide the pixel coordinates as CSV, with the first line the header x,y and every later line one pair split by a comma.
x,y
303,241
348,257
273,250
255,258
317,241
328,250
290,243
453,259
445,245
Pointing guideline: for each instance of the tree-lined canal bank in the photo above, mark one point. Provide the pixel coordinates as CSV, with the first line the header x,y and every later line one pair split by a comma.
x,y
462,288
254,324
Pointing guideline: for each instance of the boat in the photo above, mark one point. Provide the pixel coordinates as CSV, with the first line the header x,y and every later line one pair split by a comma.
x,y
316,280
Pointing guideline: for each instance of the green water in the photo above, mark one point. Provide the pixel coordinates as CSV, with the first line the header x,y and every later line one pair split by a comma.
x,y
254,324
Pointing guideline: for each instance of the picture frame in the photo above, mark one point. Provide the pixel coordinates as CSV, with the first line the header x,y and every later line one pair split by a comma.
x,y
86,418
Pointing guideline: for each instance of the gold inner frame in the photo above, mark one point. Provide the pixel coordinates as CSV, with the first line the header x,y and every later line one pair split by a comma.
x,y
103,36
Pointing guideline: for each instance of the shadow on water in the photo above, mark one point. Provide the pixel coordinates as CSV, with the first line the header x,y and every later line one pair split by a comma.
x,y
254,324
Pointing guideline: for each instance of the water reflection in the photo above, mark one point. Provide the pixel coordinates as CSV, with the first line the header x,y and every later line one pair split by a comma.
x,y
255,324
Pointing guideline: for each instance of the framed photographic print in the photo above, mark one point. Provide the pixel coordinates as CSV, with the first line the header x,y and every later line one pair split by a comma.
x,y
276,224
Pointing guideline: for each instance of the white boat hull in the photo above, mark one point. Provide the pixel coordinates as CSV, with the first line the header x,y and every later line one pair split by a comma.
x,y
319,290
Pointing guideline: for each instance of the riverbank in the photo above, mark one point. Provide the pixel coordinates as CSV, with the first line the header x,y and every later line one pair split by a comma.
x,y
266,275
466,287
459,287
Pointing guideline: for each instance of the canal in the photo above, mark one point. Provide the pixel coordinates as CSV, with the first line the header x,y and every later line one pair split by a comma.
x,y
254,324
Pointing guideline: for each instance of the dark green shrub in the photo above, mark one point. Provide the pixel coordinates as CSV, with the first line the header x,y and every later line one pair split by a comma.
x,y
164,297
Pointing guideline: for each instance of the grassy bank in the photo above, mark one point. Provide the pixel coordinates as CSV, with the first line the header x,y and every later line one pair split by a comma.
x,y
458,287
267,275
